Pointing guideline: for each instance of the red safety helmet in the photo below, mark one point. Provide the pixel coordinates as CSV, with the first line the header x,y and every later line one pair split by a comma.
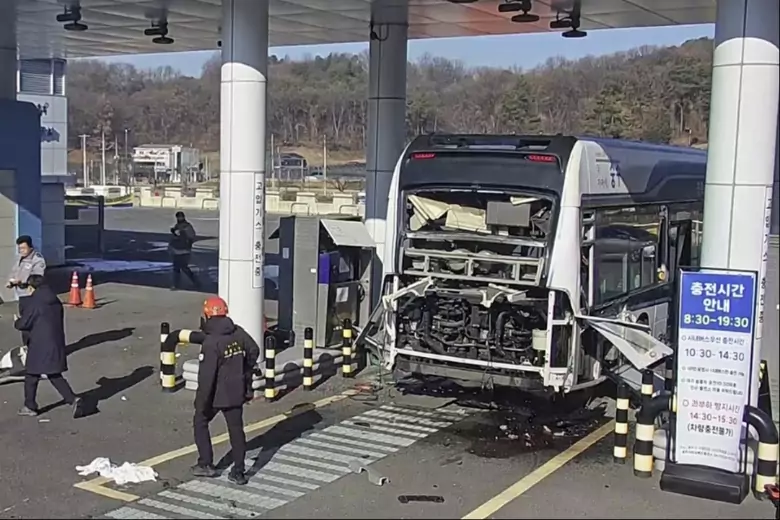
x,y
215,306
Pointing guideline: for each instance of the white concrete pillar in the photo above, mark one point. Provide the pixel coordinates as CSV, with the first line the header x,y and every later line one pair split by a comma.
x,y
242,161
386,117
742,142
8,53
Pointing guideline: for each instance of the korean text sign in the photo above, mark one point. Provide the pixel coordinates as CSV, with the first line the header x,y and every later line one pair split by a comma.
x,y
258,230
715,343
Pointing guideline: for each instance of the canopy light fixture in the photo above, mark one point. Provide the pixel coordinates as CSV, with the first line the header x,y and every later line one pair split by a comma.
x,y
71,18
520,5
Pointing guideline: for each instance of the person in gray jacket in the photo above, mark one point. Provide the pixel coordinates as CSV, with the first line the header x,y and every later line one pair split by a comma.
x,y
30,262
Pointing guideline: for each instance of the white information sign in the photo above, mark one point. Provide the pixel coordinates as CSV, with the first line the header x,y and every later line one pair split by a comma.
x,y
715,343
258,230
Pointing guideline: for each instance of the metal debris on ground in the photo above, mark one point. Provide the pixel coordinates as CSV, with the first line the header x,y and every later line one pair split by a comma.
x,y
374,477
367,391
436,499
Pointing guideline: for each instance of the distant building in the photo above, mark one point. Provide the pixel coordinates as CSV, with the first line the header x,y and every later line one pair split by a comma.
x,y
42,83
166,162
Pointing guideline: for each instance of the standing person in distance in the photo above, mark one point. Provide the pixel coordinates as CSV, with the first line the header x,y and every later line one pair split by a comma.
x,y
43,320
30,262
180,248
227,359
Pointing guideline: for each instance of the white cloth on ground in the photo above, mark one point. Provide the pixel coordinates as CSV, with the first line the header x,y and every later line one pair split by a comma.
x,y
127,473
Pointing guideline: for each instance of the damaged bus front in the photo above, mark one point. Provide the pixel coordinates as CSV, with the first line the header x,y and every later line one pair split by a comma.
x,y
469,237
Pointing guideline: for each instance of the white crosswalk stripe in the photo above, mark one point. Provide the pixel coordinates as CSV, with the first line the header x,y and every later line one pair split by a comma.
x,y
296,468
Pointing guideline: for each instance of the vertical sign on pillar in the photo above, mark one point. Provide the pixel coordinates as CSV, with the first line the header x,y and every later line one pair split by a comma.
x,y
764,261
258,230
715,350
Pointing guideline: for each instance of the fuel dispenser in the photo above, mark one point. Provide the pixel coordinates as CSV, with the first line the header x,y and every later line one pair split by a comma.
x,y
324,275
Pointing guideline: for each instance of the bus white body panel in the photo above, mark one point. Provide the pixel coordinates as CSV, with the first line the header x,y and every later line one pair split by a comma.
x,y
544,311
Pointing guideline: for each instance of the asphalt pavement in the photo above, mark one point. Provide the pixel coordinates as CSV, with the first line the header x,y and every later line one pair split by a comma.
x,y
351,448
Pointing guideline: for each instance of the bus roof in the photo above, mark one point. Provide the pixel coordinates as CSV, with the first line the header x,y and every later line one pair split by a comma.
x,y
647,172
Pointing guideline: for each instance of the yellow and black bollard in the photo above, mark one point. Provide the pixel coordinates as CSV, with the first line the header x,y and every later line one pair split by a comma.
x,y
270,368
308,358
766,459
168,343
346,349
167,359
645,430
669,374
647,386
620,451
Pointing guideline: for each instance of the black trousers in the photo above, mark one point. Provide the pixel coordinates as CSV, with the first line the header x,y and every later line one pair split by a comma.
x,y
181,264
22,309
58,382
234,418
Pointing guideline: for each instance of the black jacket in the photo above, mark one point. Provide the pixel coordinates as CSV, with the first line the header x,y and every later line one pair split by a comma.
x,y
43,319
183,238
227,359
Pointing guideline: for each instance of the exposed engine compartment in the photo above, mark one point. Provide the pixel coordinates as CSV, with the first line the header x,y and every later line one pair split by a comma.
x,y
460,326
485,252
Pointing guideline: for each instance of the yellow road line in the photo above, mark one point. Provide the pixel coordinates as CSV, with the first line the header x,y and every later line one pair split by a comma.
x,y
542,472
106,492
95,485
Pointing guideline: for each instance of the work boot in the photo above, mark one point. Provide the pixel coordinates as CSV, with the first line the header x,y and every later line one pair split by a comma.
x,y
207,471
27,412
237,477
78,408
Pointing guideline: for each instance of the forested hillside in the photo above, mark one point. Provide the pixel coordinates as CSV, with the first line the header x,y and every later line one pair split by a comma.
x,y
650,93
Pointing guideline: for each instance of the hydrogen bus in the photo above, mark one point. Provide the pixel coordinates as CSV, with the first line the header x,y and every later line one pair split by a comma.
x,y
540,262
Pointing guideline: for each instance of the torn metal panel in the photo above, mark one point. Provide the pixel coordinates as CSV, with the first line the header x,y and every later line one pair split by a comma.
x,y
633,341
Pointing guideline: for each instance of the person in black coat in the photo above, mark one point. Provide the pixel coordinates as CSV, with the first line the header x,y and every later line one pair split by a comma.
x,y
227,358
43,320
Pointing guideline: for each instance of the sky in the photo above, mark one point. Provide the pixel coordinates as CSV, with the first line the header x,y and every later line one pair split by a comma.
x,y
525,51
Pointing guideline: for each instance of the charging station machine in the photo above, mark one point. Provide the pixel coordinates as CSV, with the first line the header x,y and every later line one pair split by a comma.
x,y
324,276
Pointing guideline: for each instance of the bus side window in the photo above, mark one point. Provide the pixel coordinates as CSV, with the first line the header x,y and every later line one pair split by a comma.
x,y
626,250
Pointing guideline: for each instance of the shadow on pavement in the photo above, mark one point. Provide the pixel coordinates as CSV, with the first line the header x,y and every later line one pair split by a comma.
x,y
281,434
325,367
91,340
106,388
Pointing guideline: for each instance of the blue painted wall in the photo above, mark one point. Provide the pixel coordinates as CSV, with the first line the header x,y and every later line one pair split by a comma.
x,y
20,150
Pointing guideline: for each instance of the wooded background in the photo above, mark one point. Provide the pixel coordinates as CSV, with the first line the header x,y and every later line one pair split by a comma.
x,y
658,94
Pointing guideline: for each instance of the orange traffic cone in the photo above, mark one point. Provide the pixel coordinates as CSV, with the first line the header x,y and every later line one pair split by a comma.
x,y
89,295
74,298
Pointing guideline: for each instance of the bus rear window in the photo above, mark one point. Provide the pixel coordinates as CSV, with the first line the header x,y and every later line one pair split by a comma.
x,y
493,170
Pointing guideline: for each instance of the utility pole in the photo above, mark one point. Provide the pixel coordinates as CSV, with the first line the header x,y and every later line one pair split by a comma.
x,y
325,165
103,160
127,161
84,159
116,160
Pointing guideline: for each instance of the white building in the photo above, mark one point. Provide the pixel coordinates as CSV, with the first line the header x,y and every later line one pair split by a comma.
x,y
166,162
42,82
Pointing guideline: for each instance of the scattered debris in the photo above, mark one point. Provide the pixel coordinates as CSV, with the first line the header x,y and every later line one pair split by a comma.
x,y
123,398
374,477
436,499
127,473
44,420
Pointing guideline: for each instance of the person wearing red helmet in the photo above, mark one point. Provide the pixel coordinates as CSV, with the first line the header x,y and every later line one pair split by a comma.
x,y
228,357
